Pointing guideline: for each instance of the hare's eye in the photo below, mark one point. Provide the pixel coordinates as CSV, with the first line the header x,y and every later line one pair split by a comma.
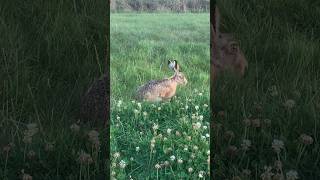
x,y
234,47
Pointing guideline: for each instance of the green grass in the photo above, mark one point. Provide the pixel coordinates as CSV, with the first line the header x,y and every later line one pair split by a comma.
x,y
281,43
141,44
50,52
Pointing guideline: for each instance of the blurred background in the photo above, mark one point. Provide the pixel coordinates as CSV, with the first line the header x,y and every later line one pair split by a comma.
x,y
160,5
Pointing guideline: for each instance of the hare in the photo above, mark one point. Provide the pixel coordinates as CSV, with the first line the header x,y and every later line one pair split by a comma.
x,y
226,54
165,89
95,102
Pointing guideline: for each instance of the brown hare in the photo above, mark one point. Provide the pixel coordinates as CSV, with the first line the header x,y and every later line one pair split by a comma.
x,y
226,54
165,89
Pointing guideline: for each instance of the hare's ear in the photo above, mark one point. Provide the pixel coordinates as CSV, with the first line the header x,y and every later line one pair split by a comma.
x,y
171,64
216,20
176,66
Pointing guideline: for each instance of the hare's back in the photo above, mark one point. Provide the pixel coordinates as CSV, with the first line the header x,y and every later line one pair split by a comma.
x,y
153,86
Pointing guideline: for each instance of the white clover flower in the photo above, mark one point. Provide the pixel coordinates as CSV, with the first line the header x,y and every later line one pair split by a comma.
x,y
197,125
32,129
208,135
122,164
114,165
157,166
139,105
200,117
195,148
203,137
277,145
196,107
172,158
205,105
292,175
201,174
193,156
145,113
137,148
136,111
267,174
119,103
155,126
290,103
186,107
200,94
306,139
85,158
185,148
159,108
169,131
246,144
208,152
118,118
205,127
116,155
190,169
180,161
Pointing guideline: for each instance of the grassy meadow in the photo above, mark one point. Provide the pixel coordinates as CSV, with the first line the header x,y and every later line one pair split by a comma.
x,y
269,125
50,53
168,140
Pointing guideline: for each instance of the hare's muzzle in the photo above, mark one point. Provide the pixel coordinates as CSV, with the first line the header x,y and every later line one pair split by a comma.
x,y
185,82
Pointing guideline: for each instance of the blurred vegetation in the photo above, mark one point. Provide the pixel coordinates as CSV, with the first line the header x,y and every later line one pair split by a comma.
x,y
160,5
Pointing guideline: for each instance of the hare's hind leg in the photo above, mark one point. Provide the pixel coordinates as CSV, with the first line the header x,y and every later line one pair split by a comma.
x,y
152,98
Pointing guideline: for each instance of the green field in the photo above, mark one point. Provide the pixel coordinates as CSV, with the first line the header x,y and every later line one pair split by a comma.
x,y
50,53
278,100
144,137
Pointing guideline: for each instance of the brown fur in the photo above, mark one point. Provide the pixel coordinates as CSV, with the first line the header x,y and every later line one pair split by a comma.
x,y
226,54
160,90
